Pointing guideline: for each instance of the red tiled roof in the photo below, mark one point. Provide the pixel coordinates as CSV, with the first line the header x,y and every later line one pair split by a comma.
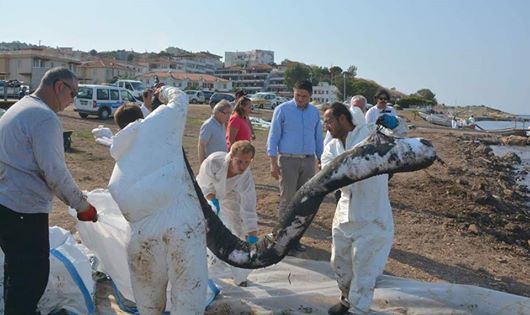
x,y
185,76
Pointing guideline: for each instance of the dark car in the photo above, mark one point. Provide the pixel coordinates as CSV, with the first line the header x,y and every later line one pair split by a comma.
x,y
207,95
216,97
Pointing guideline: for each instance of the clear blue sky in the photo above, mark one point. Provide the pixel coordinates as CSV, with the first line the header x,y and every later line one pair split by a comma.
x,y
468,52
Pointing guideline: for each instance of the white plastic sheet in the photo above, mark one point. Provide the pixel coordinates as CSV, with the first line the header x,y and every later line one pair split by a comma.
x,y
70,285
300,286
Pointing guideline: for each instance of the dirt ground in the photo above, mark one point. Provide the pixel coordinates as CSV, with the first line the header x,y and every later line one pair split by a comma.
x,y
466,221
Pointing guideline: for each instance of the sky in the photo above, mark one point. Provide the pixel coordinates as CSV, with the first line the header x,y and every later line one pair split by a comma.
x,y
468,52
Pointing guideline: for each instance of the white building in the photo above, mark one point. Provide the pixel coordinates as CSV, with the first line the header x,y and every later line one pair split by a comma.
x,y
324,93
249,58
201,62
29,65
106,70
184,80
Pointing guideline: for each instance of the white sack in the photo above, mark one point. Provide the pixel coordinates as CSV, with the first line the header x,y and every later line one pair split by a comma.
x,y
70,285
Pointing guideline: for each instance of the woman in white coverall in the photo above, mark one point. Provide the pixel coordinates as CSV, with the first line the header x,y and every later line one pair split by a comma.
x,y
362,226
168,232
227,178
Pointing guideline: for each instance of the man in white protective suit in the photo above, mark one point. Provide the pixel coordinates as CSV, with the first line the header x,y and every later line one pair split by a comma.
x,y
226,181
155,193
362,226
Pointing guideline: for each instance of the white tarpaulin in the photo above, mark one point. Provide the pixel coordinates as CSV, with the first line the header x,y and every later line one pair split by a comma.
x,y
300,286
296,286
70,285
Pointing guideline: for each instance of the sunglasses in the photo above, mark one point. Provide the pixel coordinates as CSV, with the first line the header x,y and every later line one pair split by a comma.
x,y
383,99
73,92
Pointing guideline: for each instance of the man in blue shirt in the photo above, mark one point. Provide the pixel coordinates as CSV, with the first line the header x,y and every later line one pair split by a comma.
x,y
294,142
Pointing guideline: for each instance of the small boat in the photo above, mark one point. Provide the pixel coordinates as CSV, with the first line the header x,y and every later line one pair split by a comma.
x,y
510,132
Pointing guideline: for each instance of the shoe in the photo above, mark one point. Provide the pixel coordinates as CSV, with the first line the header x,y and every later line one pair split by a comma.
x,y
243,284
300,247
338,309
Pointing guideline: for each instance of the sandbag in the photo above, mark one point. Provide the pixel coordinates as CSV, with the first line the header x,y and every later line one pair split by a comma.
x,y
70,285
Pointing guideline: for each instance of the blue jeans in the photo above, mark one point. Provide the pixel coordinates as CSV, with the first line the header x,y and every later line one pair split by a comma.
x,y
24,239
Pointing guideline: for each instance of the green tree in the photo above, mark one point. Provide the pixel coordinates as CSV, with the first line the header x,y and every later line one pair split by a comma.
x,y
427,95
365,88
93,52
352,70
319,74
414,100
296,72
335,71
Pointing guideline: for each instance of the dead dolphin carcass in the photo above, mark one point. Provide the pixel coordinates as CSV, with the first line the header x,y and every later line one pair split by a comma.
x,y
378,154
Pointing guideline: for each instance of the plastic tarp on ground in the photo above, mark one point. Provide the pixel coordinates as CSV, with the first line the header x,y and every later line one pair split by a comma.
x,y
300,286
296,286
70,285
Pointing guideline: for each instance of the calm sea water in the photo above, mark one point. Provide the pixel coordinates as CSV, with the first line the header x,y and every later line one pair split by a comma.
x,y
495,124
522,151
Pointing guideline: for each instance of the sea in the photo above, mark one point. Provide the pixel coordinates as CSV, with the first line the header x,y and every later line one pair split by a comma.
x,y
523,122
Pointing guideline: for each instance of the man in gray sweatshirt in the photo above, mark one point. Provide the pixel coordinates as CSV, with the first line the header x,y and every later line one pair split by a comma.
x,y
32,170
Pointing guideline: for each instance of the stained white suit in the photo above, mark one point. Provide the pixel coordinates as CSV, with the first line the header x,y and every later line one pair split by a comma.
x,y
237,197
363,227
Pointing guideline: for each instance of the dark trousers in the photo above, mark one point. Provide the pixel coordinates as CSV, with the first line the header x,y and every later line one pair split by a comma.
x,y
24,239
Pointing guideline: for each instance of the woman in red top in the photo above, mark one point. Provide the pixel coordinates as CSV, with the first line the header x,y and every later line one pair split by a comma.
x,y
239,127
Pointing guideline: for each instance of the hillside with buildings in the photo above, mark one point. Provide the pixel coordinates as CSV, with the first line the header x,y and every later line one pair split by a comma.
x,y
251,71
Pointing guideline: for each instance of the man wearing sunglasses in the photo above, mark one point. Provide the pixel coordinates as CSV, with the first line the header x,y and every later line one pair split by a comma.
x,y
32,170
382,97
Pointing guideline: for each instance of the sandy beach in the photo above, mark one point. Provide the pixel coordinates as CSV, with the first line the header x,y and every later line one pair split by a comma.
x,y
462,221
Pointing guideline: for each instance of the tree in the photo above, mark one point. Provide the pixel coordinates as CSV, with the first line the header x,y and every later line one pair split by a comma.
x,y
93,52
335,71
364,88
414,100
319,74
296,72
427,95
352,70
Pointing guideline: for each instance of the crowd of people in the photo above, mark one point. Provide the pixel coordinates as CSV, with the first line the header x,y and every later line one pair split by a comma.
x,y
32,170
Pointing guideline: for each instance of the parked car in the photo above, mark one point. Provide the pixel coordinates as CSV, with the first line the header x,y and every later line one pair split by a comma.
x,y
265,100
207,95
101,100
134,86
216,97
195,96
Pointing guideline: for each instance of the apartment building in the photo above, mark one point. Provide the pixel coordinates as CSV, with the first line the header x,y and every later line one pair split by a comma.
x,y
105,70
324,93
191,81
251,80
29,65
249,58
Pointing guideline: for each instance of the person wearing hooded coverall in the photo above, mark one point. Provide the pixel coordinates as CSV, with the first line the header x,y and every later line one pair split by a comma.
x,y
227,178
168,230
363,227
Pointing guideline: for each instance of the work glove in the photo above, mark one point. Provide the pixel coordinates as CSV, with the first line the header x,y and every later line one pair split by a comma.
x,y
251,239
215,204
90,214
388,121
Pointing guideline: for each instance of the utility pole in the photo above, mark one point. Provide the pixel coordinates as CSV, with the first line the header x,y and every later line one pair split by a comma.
x,y
344,86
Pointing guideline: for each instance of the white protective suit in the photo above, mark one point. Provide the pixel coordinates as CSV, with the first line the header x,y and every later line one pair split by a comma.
x,y
155,193
237,198
363,227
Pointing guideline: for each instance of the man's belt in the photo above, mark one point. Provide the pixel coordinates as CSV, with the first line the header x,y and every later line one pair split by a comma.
x,y
297,156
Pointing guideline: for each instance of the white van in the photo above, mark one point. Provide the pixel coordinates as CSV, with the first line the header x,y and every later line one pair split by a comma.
x,y
135,87
101,100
